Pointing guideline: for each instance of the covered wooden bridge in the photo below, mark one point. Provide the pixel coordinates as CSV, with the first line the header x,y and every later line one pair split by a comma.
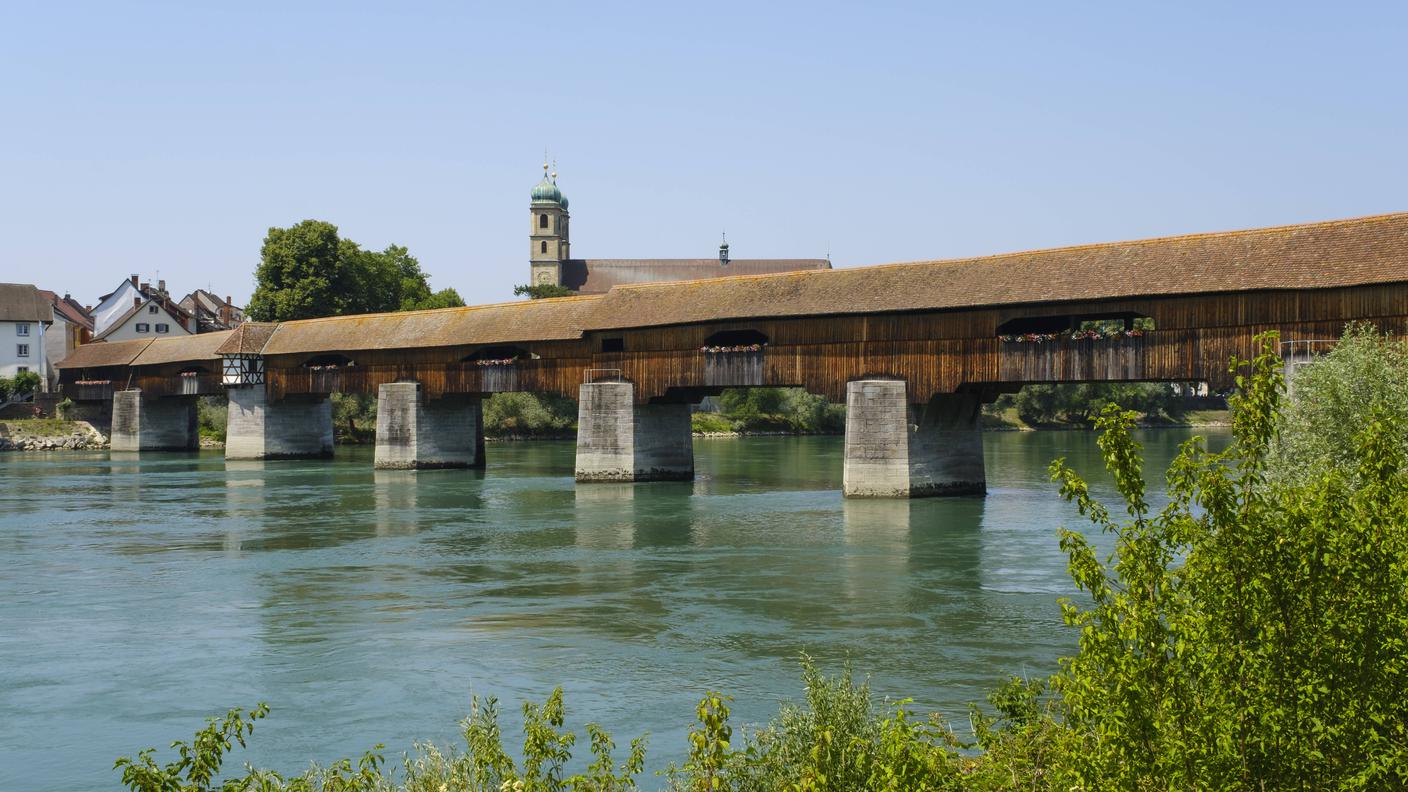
x,y
913,349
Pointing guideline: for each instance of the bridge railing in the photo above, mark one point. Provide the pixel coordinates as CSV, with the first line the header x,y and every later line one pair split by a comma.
x,y
553,375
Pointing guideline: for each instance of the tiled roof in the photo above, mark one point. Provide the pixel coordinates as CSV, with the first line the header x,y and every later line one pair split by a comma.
x,y
596,276
69,309
529,320
21,302
247,339
104,353
1360,251
181,348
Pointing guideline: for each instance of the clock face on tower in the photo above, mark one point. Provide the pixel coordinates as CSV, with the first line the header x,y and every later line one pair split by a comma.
x,y
544,277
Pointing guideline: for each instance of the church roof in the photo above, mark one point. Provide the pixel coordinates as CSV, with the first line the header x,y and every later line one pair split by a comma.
x,y
597,276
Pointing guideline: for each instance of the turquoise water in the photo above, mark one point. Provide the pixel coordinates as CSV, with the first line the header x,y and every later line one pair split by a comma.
x,y
141,595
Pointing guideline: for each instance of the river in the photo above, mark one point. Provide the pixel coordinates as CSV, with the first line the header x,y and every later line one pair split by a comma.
x,y
141,595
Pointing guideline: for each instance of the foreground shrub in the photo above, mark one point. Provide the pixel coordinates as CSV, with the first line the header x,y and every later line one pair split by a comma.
x,y
1365,374
1249,635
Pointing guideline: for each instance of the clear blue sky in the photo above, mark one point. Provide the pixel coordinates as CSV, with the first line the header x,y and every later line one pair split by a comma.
x,y
167,136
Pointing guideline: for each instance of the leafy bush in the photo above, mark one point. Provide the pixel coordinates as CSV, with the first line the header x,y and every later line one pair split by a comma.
x,y
1249,635
1365,374
19,387
354,417
710,423
781,410
211,413
1080,403
528,415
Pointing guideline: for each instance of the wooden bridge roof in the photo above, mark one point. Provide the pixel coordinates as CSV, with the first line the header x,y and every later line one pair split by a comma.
x,y
146,351
502,323
1333,254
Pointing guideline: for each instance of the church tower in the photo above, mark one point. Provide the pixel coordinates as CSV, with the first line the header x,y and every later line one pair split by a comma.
x,y
549,233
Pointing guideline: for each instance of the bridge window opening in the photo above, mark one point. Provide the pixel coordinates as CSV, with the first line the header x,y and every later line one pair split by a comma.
x,y
323,362
499,355
736,341
193,371
1111,325
613,345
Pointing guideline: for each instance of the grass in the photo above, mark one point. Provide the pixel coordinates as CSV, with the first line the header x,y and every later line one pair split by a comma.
x,y
40,427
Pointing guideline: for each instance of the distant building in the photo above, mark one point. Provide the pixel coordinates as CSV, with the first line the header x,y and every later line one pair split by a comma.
x,y
116,317
73,327
551,264
25,317
212,313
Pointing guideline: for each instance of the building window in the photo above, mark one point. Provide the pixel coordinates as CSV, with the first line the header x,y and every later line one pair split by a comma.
x,y
163,328
542,221
143,327
22,329
544,247
21,369
21,350
151,309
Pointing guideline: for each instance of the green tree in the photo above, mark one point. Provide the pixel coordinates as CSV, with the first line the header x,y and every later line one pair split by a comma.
x,y
1365,374
543,291
308,270
1248,636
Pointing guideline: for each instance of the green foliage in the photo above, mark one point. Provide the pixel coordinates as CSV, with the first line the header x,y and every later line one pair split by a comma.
x,y
1080,403
780,410
354,417
199,761
19,387
1365,374
543,291
528,415
711,423
307,271
211,414
1249,635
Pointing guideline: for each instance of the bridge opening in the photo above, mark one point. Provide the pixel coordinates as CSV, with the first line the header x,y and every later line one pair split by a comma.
x,y
736,338
320,362
1124,321
194,371
499,354
613,345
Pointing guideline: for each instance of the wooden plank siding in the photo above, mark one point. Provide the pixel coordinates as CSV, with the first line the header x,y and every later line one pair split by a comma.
x,y
940,351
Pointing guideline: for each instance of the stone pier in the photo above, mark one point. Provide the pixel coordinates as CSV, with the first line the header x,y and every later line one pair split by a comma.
x,y
153,423
415,434
618,440
294,428
895,449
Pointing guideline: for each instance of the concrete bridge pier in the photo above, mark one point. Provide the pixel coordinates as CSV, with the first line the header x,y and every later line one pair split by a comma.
x,y
618,440
895,449
151,423
415,434
296,427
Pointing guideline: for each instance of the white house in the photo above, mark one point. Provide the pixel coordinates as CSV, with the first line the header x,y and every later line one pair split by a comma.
x,y
136,310
73,327
146,318
25,315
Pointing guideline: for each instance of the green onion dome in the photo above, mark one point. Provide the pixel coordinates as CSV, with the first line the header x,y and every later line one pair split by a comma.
x,y
546,191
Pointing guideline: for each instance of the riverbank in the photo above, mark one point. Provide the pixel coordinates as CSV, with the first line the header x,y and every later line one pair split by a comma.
x,y
49,434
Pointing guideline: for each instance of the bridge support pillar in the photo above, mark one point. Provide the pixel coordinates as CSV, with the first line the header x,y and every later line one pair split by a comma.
x,y
295,428
413,434
895,449
153,423
618,440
